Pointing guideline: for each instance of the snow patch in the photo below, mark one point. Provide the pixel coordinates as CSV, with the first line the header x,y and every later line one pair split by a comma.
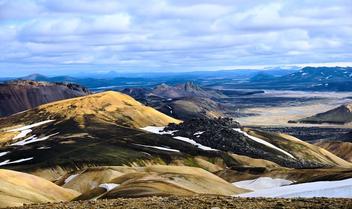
x,y
198,133
261,141
160,148
191,141
32,139
27,129
7,162
70,178
3,153
158,130
262,183
330,189
31,126
22,134
41,148
109,186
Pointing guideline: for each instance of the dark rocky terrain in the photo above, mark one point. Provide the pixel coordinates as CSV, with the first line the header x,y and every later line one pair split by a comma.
x,y
17,96
313,134
211,202
220,134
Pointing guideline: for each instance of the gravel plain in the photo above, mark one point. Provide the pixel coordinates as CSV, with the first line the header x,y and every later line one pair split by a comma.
x,y
200,201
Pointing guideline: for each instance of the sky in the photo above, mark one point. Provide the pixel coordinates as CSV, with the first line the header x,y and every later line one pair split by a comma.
x,y
78,36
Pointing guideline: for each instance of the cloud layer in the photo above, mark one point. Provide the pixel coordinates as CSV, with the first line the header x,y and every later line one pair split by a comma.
x,y
177,35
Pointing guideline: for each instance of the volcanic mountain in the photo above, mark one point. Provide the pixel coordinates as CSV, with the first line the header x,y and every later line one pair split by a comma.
x,y
339,115
188,89
17,96
183,101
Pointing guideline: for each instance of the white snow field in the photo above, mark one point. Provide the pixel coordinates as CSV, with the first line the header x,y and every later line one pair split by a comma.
x,y
330,189
261,141
262,183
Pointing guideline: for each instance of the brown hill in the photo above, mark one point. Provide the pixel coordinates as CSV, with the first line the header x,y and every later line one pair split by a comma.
x,y
17,96
109,107
339,115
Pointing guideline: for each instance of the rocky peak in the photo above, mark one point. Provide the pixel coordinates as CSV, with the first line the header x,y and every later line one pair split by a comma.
x,y
191,86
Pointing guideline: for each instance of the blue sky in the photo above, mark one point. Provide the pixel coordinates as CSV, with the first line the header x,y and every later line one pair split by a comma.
x,y
70,36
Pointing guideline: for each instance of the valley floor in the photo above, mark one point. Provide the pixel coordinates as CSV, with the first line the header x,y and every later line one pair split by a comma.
x,y
201,201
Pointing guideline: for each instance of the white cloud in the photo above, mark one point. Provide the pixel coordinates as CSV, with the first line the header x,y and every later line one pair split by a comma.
x,y
172,34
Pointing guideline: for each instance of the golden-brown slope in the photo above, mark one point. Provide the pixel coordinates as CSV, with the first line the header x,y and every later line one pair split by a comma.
x,y
150,180
300,149
18,188
109,107
339,148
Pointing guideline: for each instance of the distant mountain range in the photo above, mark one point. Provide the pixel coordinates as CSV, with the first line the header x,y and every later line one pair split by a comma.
x,y
307,79
117,81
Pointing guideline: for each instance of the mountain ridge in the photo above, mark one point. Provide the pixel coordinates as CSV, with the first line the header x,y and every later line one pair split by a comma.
x,y
20,95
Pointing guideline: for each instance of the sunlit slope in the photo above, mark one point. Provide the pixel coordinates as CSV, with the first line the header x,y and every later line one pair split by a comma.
x,y
18,188
111,107
300,149
339,148
147,181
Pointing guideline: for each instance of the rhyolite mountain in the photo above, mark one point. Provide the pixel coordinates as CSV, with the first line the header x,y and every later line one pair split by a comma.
x,y
20,95
338,115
